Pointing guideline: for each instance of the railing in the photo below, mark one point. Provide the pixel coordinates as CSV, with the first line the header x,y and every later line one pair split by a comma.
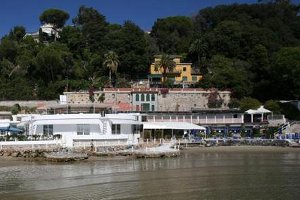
x,y
195,119
276,120
30,144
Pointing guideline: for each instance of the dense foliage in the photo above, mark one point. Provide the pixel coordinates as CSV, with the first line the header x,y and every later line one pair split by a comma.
x,y
253,50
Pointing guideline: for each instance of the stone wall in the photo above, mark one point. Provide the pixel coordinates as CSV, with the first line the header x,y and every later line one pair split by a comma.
x,y
167,100
185,101
30,104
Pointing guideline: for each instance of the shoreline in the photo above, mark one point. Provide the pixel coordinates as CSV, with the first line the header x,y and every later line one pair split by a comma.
x,y
6,161
242,148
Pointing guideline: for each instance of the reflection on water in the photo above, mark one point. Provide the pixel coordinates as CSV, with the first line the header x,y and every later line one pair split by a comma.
x,y
194,175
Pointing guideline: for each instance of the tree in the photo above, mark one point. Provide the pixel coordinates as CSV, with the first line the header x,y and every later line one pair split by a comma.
x,y
173,34
15,109
8,49
226,73
55,17
273,106
165,63
111,61
9,69
130,44
249,103
93,27
17,33
200,48
226,38
73,38
214,99
53,63
285,74
234,103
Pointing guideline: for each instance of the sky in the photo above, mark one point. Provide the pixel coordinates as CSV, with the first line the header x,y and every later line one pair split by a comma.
x,y
142,12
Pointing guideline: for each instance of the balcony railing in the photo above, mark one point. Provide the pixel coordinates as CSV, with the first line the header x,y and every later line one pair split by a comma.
x,y
195,119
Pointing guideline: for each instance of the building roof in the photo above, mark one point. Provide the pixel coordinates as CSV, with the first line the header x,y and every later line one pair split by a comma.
x,y
260,110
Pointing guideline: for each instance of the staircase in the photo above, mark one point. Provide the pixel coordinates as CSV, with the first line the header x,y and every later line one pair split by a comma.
x,y
283,128
294,127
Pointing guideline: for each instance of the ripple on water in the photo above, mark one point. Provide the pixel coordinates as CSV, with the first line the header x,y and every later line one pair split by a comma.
x,y
209,175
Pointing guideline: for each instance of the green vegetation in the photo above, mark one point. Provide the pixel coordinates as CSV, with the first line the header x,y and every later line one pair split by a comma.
x,y
165,63
111,61
254,50
54,16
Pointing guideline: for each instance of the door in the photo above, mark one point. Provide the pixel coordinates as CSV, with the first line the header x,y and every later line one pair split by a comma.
x,y
146,106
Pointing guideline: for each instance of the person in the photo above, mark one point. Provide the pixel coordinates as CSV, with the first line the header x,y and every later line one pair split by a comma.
x,y
92,145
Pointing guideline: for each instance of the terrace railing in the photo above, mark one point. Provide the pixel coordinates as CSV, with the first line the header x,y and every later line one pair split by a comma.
x,y
196,119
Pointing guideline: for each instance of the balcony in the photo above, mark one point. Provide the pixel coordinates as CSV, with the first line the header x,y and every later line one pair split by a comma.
x,y
196,119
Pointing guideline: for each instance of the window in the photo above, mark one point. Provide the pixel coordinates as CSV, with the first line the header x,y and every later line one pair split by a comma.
x,y
116,129
48,129
184,78
194,78
152,108
137,108
143,97
148,97
153,97
184,69
235,116
136,129
137,97
83,129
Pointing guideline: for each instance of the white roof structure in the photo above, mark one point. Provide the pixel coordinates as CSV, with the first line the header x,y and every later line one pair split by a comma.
x,y
80,119
172,126
260,110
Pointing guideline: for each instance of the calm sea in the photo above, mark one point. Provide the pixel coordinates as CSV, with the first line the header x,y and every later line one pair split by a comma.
x,y
196,174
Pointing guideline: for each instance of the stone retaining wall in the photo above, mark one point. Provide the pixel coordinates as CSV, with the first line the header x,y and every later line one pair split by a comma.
x,y
264,142
31,104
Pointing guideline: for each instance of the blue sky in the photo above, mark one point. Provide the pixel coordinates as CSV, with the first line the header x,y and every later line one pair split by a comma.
x,y
141,12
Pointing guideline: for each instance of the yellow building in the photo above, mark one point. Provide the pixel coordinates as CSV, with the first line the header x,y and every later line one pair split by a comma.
x,y
181,74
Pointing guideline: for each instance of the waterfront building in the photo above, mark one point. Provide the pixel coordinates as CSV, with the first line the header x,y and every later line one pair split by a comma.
x,y
77,130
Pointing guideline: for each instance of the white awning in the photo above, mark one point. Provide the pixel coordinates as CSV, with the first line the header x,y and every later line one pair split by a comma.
x,y
172,126
260,110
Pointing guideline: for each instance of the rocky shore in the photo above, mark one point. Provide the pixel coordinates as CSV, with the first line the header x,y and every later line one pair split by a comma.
x,y
240,142
67,155
138,151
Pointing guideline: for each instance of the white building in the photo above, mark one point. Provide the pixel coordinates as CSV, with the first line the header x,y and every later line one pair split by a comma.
x,y
75,130
48,29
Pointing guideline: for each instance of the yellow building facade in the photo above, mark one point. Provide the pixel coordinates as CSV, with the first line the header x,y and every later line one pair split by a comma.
x,y
181,74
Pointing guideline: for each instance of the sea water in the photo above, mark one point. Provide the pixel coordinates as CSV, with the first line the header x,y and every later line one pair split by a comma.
x,y
196,174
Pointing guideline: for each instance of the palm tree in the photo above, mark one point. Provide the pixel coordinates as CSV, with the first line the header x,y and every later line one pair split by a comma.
x,y
111,61
165,63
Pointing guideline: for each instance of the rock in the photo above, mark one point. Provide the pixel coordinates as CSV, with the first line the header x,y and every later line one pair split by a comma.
x,y
15,154
65,157
7,154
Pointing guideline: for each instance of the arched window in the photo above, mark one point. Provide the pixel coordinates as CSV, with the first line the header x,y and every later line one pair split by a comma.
x,y
137,97
153,97
142,97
